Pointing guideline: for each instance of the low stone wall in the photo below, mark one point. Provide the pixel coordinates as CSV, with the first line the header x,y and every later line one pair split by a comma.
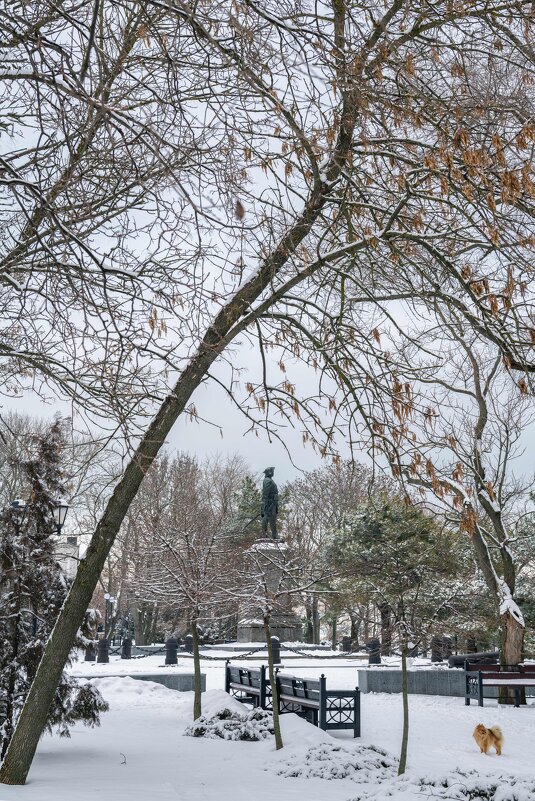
x,y
183,682
420,682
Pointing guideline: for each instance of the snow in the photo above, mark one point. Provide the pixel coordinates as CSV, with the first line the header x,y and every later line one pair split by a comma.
x,y
140,752
507,603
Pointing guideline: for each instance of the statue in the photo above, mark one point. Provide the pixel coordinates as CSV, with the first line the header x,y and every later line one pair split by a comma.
x,y
270,505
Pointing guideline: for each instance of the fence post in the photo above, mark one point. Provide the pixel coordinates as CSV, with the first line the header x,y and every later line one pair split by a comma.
x,y
103,655
171,650
126,652
374,652
276,650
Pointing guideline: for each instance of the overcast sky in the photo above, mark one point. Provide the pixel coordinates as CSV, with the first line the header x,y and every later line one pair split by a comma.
x,y
229,434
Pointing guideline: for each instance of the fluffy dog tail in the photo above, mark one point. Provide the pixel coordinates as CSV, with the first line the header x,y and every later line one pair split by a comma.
x,y
497,732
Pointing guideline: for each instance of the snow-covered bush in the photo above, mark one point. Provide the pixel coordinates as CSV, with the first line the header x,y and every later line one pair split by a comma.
x,y
455,786
363,763
228,724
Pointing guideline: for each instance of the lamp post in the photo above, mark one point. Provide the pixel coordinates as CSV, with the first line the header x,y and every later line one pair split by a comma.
x,y
60,513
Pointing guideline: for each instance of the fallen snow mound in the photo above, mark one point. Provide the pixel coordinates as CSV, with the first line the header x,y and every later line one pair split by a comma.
x,y
230,724
125,693
364,763
455,786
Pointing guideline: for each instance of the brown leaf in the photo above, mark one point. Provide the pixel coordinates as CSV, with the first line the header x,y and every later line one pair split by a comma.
x,y
239,210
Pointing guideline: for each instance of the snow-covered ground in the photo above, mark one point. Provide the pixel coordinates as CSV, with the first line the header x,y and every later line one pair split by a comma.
x,y
141,754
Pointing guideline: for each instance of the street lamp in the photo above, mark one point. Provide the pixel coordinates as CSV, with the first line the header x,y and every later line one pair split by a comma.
x,y
60,513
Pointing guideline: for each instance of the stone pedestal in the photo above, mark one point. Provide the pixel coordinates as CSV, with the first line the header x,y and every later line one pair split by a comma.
x,y
267,558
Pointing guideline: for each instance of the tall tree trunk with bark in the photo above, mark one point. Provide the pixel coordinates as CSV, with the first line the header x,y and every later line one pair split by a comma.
x,y
354,631
197,702
309,626
315,621
405,698
386,629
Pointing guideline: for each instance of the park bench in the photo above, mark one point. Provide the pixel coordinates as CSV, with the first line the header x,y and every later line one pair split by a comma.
x,y
481,675
309,698
328,709
249,685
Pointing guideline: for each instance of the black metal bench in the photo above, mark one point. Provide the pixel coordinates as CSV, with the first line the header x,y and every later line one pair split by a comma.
x,y
249,685
328,709
480,675
309,698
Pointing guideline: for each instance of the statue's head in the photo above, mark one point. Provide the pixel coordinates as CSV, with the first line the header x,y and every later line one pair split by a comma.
x,y
268,472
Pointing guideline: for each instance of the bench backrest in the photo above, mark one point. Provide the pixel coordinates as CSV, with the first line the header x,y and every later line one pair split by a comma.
x,y
248,677
485,667
299,688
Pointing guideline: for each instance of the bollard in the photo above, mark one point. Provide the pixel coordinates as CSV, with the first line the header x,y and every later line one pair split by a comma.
x,y
171,649
188,643
346,644
126,652
276,650
374,652
90,652
103,656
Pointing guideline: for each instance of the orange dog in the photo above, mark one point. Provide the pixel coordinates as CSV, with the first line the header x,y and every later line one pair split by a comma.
x,y
485,738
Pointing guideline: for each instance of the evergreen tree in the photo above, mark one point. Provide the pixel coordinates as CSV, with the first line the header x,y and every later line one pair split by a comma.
x,y
32,590
246,525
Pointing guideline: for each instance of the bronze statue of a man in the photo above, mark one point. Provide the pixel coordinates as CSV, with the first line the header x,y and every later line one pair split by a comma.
x,y
270,503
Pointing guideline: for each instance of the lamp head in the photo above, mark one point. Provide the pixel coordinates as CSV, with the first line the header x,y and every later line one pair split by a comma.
x,y
60,513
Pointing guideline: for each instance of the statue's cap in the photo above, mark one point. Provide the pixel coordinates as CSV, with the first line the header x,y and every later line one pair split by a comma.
x,y
269,470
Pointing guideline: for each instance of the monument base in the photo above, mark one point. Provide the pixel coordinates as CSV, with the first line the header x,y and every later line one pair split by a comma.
x,y
286,627
268,558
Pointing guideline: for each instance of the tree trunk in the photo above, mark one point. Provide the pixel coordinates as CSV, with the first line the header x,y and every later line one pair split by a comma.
x,y
138,627
196,672
366,632
511,653
273,682
354,632
334,632
405,696
309,629
315,621
386,629
154,627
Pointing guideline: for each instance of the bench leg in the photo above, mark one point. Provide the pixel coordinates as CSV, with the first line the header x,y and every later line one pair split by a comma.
x,y
356,726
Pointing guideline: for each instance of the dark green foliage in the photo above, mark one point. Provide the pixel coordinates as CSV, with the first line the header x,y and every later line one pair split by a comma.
x,y
400,557
32,590
246,525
